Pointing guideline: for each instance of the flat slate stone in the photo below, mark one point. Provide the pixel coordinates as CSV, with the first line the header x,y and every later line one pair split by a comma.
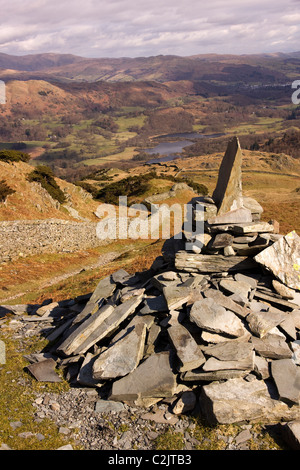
x,y
254,227
230,351
215,375
272,346
153,378
188,351
176,296
240,215
216,364
122,357
227,302
284,291
260,323
44,371
78,337
221,240
274,299
282,259
110,323
236,287
287,379
198,262
212,317
104,289
154,304
238,400
120,276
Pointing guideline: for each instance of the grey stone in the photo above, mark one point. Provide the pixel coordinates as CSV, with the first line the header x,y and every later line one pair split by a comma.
x,y
203,210
104,289
122,357
193,262
288,327
160,417
238,400
210,376
65,447
274,299
120,276
295,314
153,378
170,276
108,406
137,319
221,240
176,296
229,251
261,367
245,363
282,260
240,215
272,346
230,351
85,374
243,436
254,227
228,192
255,208
44,371
283,290
287,379
83,332
260,323
159,281
236,287
94,329
188,351
252,281
212,317
154,304
227,302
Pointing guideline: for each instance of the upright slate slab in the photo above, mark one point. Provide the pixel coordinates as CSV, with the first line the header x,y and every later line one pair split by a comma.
x,y
228,192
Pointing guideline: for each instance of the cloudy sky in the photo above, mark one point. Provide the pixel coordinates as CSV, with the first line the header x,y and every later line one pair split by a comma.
x,y
133,28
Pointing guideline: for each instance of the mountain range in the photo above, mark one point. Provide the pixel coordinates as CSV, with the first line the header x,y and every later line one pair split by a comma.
x,y
258,68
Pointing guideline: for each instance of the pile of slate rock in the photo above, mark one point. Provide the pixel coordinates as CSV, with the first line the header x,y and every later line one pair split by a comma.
x,y
214,323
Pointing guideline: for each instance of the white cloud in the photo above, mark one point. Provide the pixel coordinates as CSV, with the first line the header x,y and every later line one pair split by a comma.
x,y
114,28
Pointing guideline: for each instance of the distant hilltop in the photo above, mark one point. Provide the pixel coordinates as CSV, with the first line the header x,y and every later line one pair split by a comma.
x,y
266,68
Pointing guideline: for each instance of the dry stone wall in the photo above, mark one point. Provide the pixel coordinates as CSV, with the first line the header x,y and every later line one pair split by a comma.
x,y
30,237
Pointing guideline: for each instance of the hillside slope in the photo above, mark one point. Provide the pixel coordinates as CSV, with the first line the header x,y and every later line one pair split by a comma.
x,y
30,201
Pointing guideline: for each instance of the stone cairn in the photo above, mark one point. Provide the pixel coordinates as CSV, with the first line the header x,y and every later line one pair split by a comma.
x,y
214,327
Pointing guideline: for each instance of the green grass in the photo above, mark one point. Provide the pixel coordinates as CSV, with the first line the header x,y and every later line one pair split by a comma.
x,y
18,391
263,124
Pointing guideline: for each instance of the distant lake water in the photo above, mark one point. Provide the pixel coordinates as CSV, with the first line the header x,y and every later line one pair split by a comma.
x,y
170,149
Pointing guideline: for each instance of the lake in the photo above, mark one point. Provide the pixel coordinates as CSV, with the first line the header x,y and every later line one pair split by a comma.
x,y
171,149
